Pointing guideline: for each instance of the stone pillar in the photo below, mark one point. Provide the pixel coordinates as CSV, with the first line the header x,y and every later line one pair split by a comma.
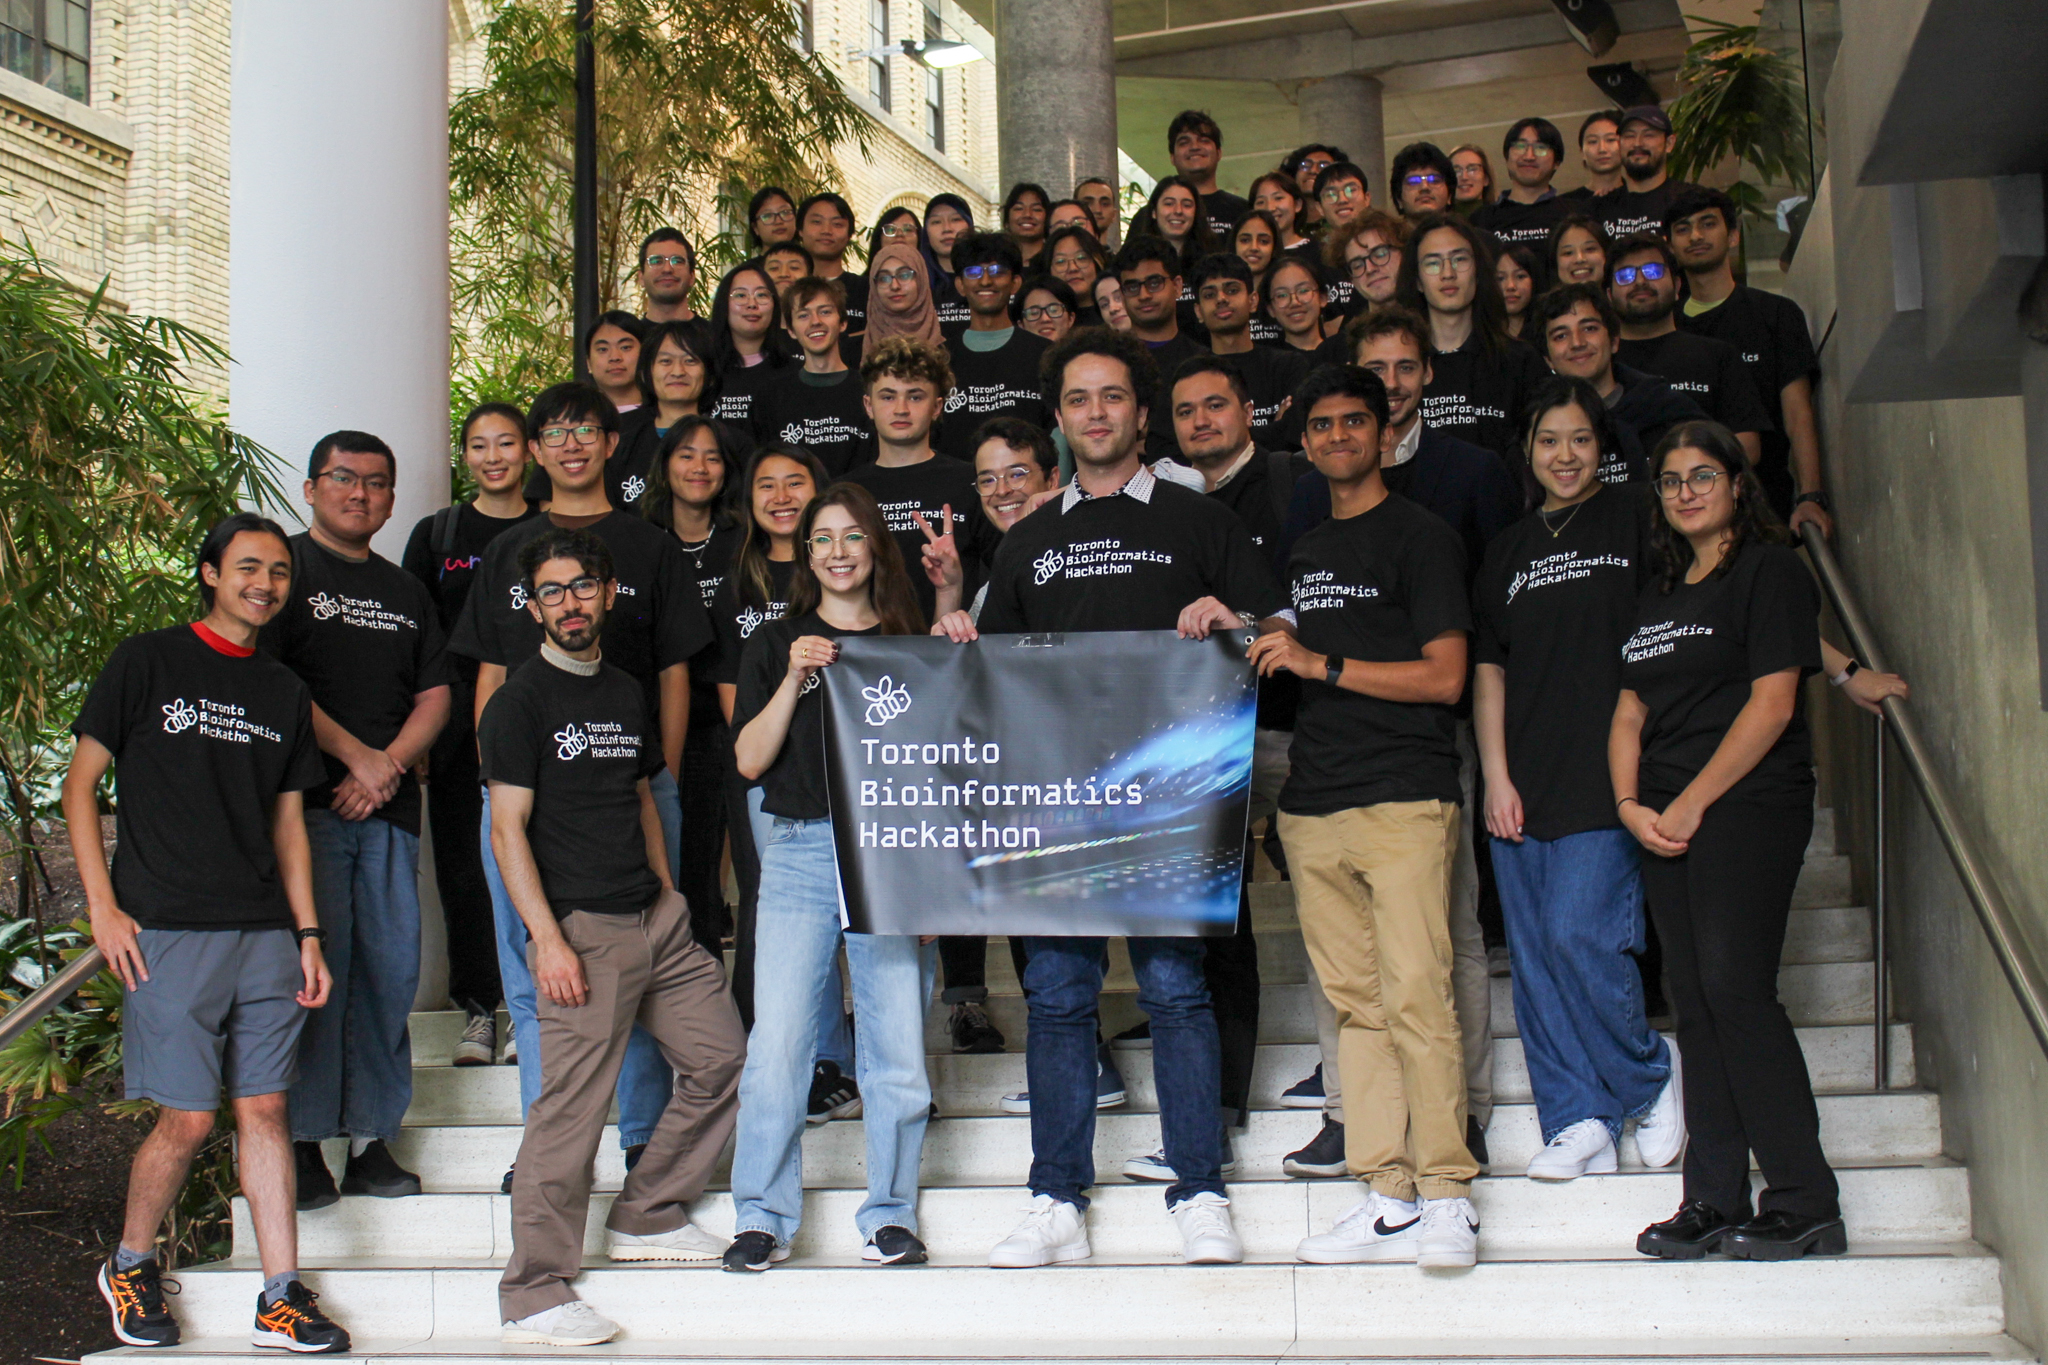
x,y
1055,93
1344,111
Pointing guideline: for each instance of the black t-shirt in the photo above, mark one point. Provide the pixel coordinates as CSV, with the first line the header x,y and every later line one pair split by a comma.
x,y
856,286
657,621
794,785
1468,486
740,399
366,639
1273,373
1628,211
1705,370
999,383
737,612
1125,563
1160,443
1693,656
1257,495
1477,395
204,742
1643,408
1223,209
1376,587
827,419
448,571
1553,611
580,744
625,473
1518,224
710,564
929,486
1769,332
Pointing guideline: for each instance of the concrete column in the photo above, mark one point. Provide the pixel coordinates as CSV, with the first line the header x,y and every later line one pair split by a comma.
x,y
1055,92
338,237
1344,111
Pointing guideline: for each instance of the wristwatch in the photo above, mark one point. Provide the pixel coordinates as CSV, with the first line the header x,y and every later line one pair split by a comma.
x,y
316,932
1818,499
1333,669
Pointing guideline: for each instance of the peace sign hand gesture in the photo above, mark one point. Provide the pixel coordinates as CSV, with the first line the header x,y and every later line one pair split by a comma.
x,y
941,554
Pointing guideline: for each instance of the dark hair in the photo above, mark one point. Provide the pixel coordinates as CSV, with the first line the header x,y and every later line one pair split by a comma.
x,y
759,202
1554,303
1641,241
1209,364
215,546
1221,265
614,317
1390,319
1017,434
948,199
355,443
1562,391
1420,154
1059,204
750,566
889,590
483,410
889,215
1294,160
1017,192
1134,355
657,503
1699,199
1281,260
1341,170
1101,180
1286,182
1090,243
1061,291
1196,121
810,261
1485,167
1138,249
1527,257
1145,222
1341,381
573,402
1254,216
1545,131
694,336
988,248
811,287
1612,116
1566,224
825,197
668,234
591,554
1489,314
724,350
1671,553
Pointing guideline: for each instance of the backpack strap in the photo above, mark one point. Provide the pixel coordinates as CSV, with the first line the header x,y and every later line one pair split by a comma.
x,y
442,536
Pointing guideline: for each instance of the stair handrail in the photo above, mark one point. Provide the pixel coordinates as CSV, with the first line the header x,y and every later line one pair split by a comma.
x,y
52,993
2015,958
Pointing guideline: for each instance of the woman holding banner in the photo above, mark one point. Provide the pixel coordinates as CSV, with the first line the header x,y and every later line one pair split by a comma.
x,y
849,581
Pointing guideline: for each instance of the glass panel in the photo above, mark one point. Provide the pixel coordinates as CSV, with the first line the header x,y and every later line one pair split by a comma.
x,y
18,53
71,26
878,37
18,14
69,76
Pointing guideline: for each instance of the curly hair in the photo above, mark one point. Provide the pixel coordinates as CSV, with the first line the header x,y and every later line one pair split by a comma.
x,y
909,358
1671,554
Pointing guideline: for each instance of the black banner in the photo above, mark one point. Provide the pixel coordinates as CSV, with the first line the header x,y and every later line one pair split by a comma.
x,y
1040,784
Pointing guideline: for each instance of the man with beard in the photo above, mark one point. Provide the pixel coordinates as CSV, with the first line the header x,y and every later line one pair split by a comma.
x,y
568,747
1195,145
1642,284
1226,297
668,271
1646,190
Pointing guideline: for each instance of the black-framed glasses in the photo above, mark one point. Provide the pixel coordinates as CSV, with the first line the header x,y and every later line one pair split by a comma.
x,y
1369,258
1150,284
666,260
585,588
1700,481
348,478
1045,312
775,216
1649,270
1016,476
1527,148
556,437
1343,189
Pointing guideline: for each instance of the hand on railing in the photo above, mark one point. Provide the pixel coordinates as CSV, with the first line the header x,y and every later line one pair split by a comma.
x,y
1868,688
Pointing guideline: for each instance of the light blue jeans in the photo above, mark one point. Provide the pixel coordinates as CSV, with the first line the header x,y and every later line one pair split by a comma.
x,y
835,1039
645,1082
797,935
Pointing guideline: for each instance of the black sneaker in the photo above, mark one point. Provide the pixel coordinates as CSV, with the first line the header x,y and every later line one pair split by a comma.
x,y
316,1182
1780,1235
1306,1093
753,1251
634,1153
378,1174
892,1245
973,1034
1475,1143
295,1323
833,1095
1324,1156
136,1298
1136,1038
1687,1235
505,1185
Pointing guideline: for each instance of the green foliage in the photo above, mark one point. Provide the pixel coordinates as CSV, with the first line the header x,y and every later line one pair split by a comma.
x,y
1742,100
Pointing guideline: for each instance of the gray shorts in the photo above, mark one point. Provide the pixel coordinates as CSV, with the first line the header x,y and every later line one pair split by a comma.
x,y
217,1013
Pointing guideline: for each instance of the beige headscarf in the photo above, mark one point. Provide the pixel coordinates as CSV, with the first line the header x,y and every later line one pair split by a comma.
x,y
920,321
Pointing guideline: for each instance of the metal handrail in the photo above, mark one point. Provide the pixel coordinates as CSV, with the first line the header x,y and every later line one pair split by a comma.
x,y
50,994
2015,958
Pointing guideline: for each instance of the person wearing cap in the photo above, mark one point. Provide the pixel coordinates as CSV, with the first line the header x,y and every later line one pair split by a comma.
x,y
1647,190
1523,216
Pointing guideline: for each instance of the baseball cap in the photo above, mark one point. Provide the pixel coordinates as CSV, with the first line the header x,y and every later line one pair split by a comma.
x,y
1648,114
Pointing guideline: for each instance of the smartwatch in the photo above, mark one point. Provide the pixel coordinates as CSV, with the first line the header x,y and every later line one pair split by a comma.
x,y
1818,499
1333,669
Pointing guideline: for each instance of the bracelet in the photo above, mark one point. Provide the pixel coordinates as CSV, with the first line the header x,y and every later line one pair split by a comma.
x,y
1849,670
303,934
1623,802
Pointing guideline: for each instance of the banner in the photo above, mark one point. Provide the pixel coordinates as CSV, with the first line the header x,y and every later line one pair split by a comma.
x,y
1055,785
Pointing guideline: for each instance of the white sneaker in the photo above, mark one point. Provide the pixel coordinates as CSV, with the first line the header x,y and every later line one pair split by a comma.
x,y
1374,1229
1585,1148
1152,1165
1450,1233
574,1323
1052,1231
686,1243
1206,1235
1660,1134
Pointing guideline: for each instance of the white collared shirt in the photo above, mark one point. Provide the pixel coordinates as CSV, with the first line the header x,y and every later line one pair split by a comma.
x,y
1139,486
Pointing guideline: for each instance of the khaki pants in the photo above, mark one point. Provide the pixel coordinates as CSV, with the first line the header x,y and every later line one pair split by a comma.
x,y
643,969
1373,889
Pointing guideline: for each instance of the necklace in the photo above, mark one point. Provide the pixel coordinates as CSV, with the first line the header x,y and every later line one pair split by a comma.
x,y
695,550
1558,530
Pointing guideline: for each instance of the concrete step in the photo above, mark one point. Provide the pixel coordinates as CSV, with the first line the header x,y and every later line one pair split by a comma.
x,y
1911,1203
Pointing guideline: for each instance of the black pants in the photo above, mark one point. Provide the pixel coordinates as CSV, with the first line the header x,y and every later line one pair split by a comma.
x,y
965,960
703,799
455,809
746,870
1721,910
1231,967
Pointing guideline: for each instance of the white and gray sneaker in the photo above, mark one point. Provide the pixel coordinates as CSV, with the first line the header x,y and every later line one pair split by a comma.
x,y
1585,1148
1376,1228
1052,1231
574,1323
686,1243
1450,1233
1660,1134
479,1045
1152,1165
1206,1234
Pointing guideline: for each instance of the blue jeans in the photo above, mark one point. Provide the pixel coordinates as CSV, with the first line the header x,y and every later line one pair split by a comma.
x,y
835,1040
1062,979
798,935
355,1056
668,808
1574,913
645,1082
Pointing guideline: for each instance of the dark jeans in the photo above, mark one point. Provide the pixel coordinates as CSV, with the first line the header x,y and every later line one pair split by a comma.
x,y
1721,910
454,812
702,789
1062,980
1230,966
965,960
746,870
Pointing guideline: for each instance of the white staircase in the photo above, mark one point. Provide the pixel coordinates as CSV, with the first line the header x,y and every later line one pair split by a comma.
x,y
1558,1280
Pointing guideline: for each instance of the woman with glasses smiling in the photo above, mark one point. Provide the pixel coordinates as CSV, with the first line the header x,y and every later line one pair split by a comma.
x,y
1291,295
1045,307
771,217
1076,259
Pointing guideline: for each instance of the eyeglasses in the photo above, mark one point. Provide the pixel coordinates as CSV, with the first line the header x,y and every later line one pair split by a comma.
x,y
348,478
553,437
1700,481
1301,293
1421,179
1649,270
666,260
984,272
1045,312
899,229
1016,476
1369,258
1457,263
1150,284
1343,189
825,542
775,216
1527,148
906,275
586,588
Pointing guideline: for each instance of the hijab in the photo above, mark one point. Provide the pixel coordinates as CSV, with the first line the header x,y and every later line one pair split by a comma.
x,y
920,321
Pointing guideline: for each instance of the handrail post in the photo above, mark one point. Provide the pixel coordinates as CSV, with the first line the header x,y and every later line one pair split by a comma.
x,y
1880,926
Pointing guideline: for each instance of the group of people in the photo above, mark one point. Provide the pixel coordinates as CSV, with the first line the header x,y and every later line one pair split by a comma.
x,y
1523,565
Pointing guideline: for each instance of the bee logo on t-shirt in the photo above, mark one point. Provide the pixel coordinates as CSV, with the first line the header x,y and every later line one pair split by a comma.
x,y
1047,566
179,716
956,400
323,606
519,597
748,621
632,488
570,742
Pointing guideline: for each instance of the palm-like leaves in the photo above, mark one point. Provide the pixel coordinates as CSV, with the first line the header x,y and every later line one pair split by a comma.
x,y
1743,100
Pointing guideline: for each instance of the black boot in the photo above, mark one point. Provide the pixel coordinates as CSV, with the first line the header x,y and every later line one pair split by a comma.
x,y
1781,1235
1687,1235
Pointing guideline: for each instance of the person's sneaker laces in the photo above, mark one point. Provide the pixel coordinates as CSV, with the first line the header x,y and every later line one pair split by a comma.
x,y
893,1245
1206,1234
1376,1228
136,1298
1585,1148
1324,1155
972,1032
316,1182
574,1323
377,1173
1152,1165
1136,1038
834,1095
1052,1231
479,1045
753,1251
295,1323
686,1243
1660,1134
1306,1093
1450,1233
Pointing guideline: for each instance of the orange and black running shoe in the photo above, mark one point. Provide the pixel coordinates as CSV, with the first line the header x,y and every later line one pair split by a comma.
x,y
295,1323
136,1298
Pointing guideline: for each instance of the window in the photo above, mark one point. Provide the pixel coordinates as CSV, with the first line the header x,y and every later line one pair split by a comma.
x,y
878,38
48,41
805,35
934,86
